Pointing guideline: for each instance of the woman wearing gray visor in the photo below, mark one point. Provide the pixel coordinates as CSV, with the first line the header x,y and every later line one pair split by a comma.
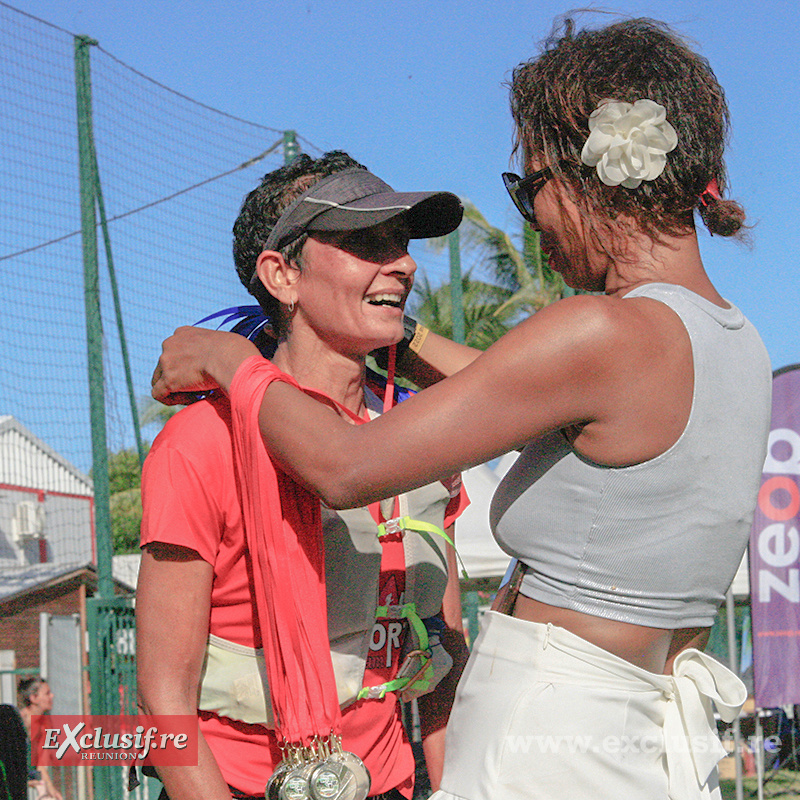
x,y
371,618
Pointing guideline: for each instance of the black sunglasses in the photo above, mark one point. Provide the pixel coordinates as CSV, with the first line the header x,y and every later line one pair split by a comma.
x,y
523,191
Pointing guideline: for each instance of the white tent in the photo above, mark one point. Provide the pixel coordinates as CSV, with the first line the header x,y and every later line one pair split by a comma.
x,y
504,464
741,581
474,541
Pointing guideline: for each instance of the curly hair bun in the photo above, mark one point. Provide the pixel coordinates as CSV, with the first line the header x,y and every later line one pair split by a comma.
x,y
627,62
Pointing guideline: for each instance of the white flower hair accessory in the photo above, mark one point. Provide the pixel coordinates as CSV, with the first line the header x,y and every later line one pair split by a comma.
x,y
628,143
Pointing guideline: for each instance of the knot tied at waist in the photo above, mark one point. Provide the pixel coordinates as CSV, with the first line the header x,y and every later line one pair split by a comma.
x,y
690,741
691,747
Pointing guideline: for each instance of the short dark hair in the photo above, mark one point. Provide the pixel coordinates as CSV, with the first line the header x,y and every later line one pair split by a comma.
x,y
27,688
553,95
263,207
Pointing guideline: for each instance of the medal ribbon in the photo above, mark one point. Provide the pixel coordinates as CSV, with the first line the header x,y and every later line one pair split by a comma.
x,y
284,536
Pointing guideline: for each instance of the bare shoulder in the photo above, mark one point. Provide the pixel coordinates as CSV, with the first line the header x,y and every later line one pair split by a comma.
x,y
629,364
596,331
605,316
618,371
569,362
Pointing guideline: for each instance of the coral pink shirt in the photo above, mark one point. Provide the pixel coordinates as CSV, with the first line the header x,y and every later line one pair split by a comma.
x,y
191,498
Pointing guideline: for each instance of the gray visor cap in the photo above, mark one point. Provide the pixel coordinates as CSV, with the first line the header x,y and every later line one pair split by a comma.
x,y
354,199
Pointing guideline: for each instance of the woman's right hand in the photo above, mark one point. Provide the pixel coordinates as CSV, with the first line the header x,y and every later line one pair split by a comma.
x,y
197,360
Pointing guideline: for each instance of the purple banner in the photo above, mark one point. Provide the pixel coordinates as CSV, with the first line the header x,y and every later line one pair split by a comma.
x,y
775,553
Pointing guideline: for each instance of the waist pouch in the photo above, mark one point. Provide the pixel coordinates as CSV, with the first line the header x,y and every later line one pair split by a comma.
x,y
234,684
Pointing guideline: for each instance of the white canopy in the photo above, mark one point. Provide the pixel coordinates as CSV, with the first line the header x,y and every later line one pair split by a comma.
x,y
474,541
741,581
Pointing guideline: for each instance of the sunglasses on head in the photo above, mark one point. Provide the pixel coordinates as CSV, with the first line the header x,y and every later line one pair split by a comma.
x,y
523,191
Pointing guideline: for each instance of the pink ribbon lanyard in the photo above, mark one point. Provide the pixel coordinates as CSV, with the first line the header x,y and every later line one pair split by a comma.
x,y
284,535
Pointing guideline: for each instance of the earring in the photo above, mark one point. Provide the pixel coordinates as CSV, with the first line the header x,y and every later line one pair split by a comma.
x,y
291,307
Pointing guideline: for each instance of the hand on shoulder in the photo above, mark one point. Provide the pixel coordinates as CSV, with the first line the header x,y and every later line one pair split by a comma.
x,y
195,360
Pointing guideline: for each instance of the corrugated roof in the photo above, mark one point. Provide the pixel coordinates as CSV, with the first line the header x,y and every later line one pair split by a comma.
x,y
18,580
15,581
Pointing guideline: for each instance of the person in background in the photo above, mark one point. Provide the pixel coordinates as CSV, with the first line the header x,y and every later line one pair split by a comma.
x,y
34,697
642,408
323,245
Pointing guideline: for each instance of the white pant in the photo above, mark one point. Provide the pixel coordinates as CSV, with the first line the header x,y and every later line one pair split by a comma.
x,y
542,714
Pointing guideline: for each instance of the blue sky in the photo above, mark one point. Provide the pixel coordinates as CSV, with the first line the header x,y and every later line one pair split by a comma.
x,y
415,90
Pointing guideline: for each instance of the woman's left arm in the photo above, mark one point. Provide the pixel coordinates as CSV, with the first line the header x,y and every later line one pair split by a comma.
x,y
434,707
569,363
435,359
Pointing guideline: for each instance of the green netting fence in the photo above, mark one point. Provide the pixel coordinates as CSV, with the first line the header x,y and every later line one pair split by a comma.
x,y
172,173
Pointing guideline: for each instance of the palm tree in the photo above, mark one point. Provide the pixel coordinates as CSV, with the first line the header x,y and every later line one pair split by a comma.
x,y
524,271
524,283
487,313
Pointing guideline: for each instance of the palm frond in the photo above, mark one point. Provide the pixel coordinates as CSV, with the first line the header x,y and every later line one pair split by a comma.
x,y
521,281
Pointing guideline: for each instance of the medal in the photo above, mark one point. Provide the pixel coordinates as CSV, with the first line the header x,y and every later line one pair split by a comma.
x,y
351,781
330,781
272,790
294,785
322,771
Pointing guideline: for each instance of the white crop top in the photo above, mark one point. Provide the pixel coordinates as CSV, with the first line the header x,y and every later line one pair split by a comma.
x,y
656,543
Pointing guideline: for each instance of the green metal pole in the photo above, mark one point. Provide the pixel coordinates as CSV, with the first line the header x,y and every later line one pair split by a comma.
x,y
94,326
456,290
290,146
733,664
473,623
112,276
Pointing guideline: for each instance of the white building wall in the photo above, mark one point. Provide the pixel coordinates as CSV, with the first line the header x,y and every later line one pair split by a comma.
x,y
39,487
27,462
